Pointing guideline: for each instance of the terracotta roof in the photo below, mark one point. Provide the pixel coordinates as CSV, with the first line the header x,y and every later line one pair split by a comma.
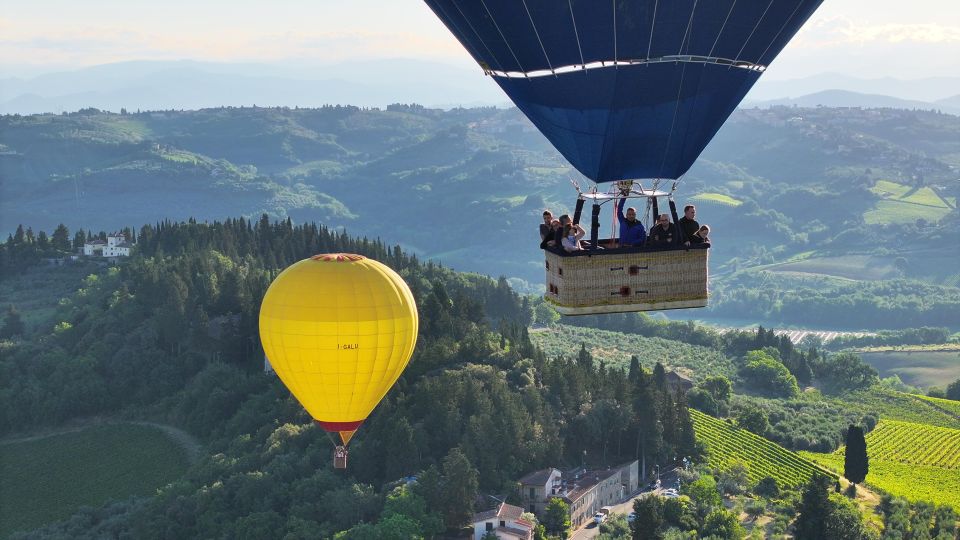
x,y
537,478
519,533
483,516
504,511
589,480
509,511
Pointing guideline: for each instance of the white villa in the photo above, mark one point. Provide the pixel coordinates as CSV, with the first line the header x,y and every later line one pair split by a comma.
x,y
505,521
115,246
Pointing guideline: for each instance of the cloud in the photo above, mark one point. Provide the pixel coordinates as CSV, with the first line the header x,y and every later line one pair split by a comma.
x,y
833,31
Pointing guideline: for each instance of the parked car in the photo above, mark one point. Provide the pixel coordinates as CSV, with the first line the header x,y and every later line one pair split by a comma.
x,y
670,493
631,517
599,518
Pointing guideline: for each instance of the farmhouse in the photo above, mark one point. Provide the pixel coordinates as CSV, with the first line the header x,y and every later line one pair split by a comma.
x,y
115,246
506,521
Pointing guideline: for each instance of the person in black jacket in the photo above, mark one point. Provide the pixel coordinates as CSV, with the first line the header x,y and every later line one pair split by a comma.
x,y
546,228
688,224
550,236
663,234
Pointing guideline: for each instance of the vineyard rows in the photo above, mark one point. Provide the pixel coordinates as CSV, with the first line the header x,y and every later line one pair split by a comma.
x,y
914,482
727,444
914,444
949,405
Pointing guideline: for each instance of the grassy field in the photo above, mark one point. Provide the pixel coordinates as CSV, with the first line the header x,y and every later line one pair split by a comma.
x,y
616,348
859,267
905,204
913,482
718,198
727,444
916,368
900,192
47,479
901,212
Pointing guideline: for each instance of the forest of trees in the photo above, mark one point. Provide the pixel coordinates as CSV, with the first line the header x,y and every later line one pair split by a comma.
x,y
171,334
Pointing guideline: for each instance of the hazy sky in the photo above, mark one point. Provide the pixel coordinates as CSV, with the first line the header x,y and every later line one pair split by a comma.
x,y
863,38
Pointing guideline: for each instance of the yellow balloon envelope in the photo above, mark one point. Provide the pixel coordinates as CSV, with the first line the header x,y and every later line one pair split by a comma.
x,y
338,330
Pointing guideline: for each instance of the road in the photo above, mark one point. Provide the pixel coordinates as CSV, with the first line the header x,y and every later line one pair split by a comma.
x,y
667,480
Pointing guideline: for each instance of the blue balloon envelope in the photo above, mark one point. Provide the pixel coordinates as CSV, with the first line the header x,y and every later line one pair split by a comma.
x,y
625,89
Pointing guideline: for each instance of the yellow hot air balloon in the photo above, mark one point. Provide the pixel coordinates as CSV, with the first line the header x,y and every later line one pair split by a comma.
x,y
338,330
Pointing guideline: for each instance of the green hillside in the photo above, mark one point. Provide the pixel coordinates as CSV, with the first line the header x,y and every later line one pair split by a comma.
x,y
947,405
49,478
427,177
916,461
727,444
616,348
915,444
898,406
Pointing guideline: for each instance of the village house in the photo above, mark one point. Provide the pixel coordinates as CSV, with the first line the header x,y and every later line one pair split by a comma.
x,y
115,246
678,383
585,490
506,521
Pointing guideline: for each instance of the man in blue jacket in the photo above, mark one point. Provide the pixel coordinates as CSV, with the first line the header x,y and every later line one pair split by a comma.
x,y
632,232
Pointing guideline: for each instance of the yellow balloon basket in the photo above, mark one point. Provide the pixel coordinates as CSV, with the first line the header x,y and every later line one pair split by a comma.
x,y
338,329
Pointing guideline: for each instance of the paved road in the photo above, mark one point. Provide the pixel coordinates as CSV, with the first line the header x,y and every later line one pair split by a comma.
x,y
667,480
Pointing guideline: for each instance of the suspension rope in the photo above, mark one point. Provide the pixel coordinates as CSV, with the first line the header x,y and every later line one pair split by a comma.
x,y
576,34
687,33
614,5
332,439
673,123
542,48
614,221
772,41
495,59
752,31
646,213
497,26
724,25
683,75
653,23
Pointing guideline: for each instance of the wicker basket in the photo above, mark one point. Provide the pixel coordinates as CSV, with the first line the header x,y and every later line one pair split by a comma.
x,y
616,281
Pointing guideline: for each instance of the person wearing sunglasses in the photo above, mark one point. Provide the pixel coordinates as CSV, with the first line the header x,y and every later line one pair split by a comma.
x,y
663,234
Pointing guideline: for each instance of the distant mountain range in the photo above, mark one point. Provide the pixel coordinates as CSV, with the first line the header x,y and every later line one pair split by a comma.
x,y
467,186
190,85
845,98
930,89
196,85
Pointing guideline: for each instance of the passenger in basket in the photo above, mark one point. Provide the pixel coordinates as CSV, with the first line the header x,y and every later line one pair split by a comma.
x,y
688,224
558,235
572,233
664,233
632,232
550,239
545,228
702,236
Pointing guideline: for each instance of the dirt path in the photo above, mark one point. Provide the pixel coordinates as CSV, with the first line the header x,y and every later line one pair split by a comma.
x,y
190,445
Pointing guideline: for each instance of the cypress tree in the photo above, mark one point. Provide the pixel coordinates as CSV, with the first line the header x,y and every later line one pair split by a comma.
x,y
856,464
12,323
814,510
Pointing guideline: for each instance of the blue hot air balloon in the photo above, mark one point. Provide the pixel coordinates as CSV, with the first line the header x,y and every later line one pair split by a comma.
x,y
625,90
